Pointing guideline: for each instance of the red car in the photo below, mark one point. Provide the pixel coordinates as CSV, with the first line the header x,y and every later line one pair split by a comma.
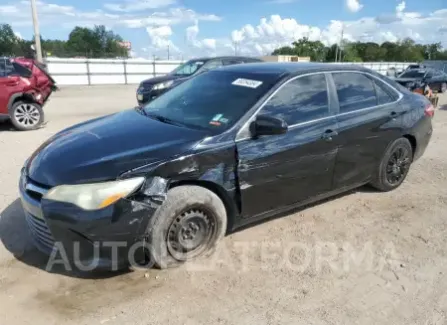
x,y
24,89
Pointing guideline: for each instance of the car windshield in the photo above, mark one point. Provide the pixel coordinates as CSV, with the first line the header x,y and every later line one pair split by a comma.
x,y
412,74
212,101
188,68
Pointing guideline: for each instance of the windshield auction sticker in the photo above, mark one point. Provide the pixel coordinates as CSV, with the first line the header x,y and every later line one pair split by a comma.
x,y
247,83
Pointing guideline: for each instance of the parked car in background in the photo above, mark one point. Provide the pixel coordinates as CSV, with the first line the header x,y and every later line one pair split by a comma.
x,y
436,64
154,87
435,79
220,151
24,89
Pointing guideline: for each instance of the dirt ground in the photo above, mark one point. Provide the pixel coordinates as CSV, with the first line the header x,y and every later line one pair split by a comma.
x,y
361,258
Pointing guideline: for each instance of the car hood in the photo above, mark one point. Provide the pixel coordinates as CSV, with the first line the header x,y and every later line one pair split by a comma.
x,y
104,148
156,80
177,79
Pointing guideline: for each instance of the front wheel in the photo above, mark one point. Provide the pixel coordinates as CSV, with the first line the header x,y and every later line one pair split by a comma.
x,y
26,116
394,166
189,224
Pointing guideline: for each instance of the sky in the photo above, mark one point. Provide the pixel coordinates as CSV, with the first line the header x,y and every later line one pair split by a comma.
x,y
247,27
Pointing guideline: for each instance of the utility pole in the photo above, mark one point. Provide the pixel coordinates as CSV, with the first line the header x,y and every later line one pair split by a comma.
x,y
168,52
36,32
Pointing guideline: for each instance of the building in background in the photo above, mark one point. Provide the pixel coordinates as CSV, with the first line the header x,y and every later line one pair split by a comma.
x,y
285,58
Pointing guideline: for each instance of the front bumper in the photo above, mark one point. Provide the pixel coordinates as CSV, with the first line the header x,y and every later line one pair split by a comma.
x,y
102,239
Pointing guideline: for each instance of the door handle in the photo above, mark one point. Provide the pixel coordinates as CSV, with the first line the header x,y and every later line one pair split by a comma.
x,y
328,135
393,114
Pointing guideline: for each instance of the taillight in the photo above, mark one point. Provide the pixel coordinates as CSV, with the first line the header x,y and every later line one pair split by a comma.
x,y
429,110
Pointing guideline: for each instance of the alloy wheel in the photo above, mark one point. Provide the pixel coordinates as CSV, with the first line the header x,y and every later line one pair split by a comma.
x,y
398,165
27,115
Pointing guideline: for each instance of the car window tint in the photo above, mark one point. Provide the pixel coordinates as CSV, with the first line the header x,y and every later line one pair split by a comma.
x,y
2,67
212,64
213,101
301,100
355,91
230,62
383,93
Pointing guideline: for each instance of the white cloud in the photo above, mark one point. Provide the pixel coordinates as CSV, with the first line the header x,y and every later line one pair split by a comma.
x,y
18,14
275,31
137,5
170,17
209,43
354,5
196,46
161,43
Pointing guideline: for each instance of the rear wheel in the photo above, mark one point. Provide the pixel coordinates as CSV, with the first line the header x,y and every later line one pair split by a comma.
x,y
394,166
189,224
26,115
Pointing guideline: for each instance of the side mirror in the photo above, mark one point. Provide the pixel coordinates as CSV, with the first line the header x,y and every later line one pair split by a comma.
x,y
266,125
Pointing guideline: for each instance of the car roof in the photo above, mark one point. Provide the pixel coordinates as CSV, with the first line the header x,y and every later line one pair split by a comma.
x,y
290,68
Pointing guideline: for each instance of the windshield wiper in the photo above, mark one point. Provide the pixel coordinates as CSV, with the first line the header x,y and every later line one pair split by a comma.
x,y
164,119
141,110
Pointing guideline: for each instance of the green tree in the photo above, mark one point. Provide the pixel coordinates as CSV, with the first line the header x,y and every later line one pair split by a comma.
x,y
96,43
10,44
304,47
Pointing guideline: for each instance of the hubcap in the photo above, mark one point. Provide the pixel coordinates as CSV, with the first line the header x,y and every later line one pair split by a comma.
x,y
398,165
27,115
190,233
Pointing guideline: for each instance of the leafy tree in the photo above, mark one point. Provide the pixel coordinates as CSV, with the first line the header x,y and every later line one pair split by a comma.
x,y
10,44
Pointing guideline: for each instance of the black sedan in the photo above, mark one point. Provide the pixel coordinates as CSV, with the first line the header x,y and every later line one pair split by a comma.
x,y
165,182
436,79
154,87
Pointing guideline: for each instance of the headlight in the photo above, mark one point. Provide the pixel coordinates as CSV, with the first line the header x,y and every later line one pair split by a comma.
x,y
94,196
163,85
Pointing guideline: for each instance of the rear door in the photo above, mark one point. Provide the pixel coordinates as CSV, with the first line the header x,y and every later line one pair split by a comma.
x,y
281,170
9,84
367,120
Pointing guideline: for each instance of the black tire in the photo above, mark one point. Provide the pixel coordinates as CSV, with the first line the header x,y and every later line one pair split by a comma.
x,y
26,115
390,175
181,203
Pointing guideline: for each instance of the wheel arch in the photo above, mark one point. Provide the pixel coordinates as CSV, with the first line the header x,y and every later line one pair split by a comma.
x,y
412,140
217,189
17,97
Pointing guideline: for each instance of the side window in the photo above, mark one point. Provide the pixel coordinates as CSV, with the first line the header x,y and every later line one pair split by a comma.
x,y
355,91
301,100
213,64
383,93
10,71
232,61
2,68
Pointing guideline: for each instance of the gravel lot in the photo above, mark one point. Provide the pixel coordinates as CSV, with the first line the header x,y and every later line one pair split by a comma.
x,y
360,258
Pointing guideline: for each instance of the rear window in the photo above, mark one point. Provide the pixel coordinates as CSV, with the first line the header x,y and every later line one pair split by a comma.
x,y
212,101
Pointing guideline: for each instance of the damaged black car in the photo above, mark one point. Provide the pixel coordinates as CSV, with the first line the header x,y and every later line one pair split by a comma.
x,y
223,150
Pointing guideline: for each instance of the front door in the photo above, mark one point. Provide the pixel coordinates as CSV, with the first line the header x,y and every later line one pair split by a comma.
x,y
281,170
